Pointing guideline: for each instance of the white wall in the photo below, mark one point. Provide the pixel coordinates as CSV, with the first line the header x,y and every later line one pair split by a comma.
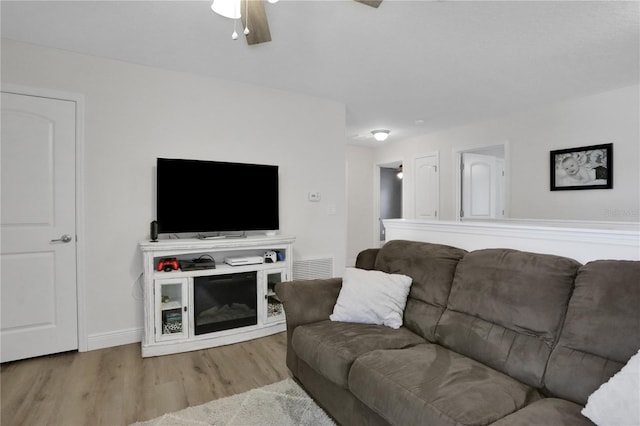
x,y
612,116
360,205
134,114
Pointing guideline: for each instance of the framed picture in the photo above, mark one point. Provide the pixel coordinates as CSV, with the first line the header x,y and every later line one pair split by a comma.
x,y
586,167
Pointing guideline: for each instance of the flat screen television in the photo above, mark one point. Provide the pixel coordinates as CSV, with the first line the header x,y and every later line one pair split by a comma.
x,y
196,196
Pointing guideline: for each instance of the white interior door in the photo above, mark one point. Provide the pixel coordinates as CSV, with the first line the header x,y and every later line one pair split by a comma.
x,y
38,225
478,186
427,187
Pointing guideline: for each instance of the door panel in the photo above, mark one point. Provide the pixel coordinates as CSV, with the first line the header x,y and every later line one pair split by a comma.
x,y
478,186
426,187
38,281
27,158
37,269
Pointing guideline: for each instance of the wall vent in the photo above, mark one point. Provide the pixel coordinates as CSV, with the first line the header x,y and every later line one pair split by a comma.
x,y
313,268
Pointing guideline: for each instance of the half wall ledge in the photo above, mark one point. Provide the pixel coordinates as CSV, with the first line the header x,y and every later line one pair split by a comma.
x,y
580,240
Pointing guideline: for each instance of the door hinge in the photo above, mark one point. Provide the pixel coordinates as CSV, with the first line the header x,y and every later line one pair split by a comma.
x,y
435,213
461,213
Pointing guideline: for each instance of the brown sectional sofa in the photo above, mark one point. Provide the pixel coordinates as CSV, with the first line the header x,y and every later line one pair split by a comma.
x,y
494,336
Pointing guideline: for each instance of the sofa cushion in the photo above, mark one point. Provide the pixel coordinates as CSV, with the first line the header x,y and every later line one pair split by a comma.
x,y
506,308
331,347
431,385
546,412
431,266
601,330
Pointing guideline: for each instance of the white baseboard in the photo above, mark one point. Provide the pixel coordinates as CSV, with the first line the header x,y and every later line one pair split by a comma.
x,y
114,338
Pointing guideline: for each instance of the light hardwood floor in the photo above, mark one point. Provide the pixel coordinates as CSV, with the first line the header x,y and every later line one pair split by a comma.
x,y
116,386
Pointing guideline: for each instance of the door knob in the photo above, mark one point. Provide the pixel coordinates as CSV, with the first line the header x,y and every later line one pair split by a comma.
x,y
64,239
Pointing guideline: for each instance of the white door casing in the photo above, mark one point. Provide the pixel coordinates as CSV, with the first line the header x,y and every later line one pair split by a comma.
x,y
426,183
500,188
38,223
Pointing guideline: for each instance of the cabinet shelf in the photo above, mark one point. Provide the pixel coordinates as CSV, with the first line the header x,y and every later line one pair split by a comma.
x,y
174,304
170,299
219,269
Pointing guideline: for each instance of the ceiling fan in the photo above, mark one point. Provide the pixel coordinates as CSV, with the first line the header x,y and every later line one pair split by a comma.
x,y
254,16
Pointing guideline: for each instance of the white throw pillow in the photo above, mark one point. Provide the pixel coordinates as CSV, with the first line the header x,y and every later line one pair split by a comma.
x,y
372,297
617,402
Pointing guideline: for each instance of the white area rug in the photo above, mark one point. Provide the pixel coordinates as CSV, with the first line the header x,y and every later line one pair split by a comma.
x,y
279,404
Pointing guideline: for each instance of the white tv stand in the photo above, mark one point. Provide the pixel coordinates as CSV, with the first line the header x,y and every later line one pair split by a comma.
x,y
169,324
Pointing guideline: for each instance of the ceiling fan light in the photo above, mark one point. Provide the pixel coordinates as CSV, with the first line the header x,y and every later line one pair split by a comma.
x,y
227,8
381,134
272,1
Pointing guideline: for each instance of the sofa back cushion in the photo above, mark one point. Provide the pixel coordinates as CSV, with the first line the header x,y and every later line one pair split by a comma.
x,y
601,330
431,266
506,309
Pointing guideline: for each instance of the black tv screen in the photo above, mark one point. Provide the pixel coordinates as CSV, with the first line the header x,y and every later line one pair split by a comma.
x,y
211,196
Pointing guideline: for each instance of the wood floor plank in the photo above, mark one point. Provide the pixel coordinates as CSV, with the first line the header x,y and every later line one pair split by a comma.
x,y
77,397
116,386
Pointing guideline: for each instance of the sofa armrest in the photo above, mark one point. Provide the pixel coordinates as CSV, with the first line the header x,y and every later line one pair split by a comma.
x,y
305,302
367,259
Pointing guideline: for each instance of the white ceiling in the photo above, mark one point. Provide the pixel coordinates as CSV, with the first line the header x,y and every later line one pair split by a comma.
x,y
446,63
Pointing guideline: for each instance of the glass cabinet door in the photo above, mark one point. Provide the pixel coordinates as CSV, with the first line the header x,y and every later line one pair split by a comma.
x,y
274,308
171,309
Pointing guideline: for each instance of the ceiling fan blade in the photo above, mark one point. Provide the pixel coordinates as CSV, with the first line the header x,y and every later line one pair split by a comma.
x,y
372,3
258,24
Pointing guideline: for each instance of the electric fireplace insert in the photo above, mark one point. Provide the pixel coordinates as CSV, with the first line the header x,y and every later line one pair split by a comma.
x,y
223,302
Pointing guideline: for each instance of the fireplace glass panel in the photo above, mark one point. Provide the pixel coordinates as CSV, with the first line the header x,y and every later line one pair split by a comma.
x,y
171,298
223,302
275,309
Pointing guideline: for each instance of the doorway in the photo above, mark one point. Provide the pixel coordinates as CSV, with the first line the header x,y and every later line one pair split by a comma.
x,y
390,195
481,189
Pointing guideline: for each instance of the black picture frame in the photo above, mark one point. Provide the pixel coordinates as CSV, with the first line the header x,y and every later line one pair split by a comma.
x,y
585,167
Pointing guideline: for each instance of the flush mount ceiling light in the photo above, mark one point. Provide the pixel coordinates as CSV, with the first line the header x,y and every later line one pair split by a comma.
x,y
381,135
